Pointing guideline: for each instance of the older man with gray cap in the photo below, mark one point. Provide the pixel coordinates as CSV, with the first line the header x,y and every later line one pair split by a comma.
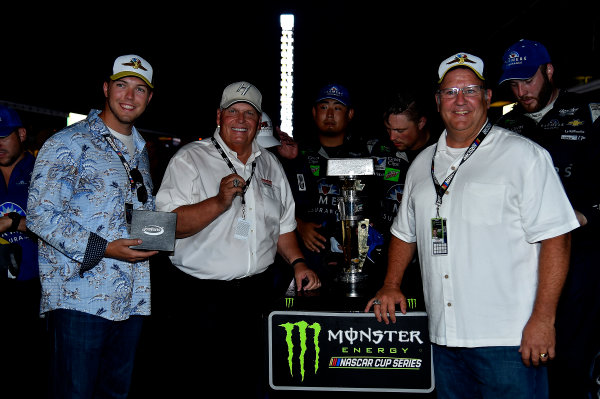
x,y
486,210
235,211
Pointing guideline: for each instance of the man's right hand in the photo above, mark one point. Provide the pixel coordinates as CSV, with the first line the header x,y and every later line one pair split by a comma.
x,y
231,186
311,238
119,249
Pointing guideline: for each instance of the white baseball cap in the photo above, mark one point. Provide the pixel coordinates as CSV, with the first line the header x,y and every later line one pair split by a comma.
x,y
132,65
461,60
265,136
241,92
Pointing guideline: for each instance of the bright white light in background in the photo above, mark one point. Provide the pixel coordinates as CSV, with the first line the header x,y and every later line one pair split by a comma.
x,y
287,72
507,108
73,117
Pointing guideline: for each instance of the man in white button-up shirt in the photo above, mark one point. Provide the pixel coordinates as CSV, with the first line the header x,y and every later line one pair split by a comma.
x,y
491,221
234,211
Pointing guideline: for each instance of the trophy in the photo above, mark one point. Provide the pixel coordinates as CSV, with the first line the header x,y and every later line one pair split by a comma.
x,y
355,229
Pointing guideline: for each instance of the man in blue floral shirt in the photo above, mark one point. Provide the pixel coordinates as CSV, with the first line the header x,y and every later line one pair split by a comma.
x,y
95,288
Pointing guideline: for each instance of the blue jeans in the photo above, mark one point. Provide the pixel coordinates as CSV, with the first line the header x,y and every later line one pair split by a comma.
x,y
92,357
495,372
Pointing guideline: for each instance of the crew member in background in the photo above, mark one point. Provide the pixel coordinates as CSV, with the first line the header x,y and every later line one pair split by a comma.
x,y
407,133
22,330
567,125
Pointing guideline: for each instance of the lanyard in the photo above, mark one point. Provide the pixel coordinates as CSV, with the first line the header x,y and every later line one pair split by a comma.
x,y
440,189
228,162
111,142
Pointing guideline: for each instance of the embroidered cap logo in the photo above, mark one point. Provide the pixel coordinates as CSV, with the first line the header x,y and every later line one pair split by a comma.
x,y
243,89
135,63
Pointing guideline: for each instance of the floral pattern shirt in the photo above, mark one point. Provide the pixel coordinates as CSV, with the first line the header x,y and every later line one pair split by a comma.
x,y
76,205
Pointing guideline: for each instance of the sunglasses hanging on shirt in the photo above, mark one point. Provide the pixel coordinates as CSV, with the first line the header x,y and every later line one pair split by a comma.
x,y
135,177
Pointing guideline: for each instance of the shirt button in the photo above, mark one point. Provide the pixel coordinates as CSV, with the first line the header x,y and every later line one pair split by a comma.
x,y
445,276
453,168
449,304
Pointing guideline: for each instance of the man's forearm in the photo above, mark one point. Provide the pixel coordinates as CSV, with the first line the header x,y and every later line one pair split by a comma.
x,y
400,254
552,272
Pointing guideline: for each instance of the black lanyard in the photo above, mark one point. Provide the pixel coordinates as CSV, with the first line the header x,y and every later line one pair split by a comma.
x,y
111,142
226,158
440,189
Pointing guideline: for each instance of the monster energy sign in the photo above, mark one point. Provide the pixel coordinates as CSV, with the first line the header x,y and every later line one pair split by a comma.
x,y
349,351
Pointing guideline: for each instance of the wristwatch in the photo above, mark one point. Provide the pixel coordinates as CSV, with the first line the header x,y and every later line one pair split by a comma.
x,y
16,219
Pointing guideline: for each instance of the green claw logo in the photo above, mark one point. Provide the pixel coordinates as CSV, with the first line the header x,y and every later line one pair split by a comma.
x,y
412,302
302,326
289,302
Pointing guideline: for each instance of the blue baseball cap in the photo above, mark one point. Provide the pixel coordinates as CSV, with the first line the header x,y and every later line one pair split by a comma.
x,y
522,60
334,92
9,121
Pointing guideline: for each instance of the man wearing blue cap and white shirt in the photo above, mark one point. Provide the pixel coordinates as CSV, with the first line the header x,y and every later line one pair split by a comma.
x,y
491,221
567,125
95,288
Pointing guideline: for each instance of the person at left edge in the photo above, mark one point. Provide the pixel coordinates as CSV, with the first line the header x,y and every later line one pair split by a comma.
x,y
95,288
235,210
22,330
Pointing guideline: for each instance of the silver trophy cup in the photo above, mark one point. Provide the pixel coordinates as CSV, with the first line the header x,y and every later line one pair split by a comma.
x,y
355,228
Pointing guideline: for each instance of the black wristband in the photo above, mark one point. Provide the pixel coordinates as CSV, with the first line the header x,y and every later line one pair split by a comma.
x,y
299,260
16,219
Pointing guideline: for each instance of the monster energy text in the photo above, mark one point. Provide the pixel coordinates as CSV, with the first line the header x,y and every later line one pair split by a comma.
x,y
375,337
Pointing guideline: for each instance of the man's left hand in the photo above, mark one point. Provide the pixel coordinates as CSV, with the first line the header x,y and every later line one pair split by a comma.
x,y
538,342
306,278
288,148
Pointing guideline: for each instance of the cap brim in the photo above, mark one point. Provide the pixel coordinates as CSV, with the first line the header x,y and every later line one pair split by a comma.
x,y
461,66
332,98
129,73
6,131
522,73
267,141
229,104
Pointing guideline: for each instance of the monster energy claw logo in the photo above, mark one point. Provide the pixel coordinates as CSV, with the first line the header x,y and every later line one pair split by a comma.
x,y
289,302
412,302
302,326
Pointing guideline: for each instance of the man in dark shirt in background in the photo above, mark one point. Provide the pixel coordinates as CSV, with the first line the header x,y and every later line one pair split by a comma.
x,y
567,125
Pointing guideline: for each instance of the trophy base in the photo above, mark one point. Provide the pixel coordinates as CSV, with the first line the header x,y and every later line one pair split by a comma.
x,y
349,277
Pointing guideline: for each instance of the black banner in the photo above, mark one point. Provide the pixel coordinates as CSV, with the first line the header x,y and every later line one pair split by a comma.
x,y
349,352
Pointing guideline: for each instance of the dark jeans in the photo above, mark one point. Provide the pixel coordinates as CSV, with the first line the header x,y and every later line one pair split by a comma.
x,y
495,372
92,357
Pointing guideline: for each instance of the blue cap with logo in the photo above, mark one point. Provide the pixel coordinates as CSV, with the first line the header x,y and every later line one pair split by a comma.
x,y
9,121
334,92
522,60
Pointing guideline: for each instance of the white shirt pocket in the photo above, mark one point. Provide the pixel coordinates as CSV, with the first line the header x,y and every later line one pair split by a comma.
x,y
483,203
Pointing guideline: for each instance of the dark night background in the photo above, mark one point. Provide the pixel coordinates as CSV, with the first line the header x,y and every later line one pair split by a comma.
x,y
55,58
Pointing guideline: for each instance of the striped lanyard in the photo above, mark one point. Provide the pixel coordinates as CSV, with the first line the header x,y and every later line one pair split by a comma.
x,y
440,189
228,162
